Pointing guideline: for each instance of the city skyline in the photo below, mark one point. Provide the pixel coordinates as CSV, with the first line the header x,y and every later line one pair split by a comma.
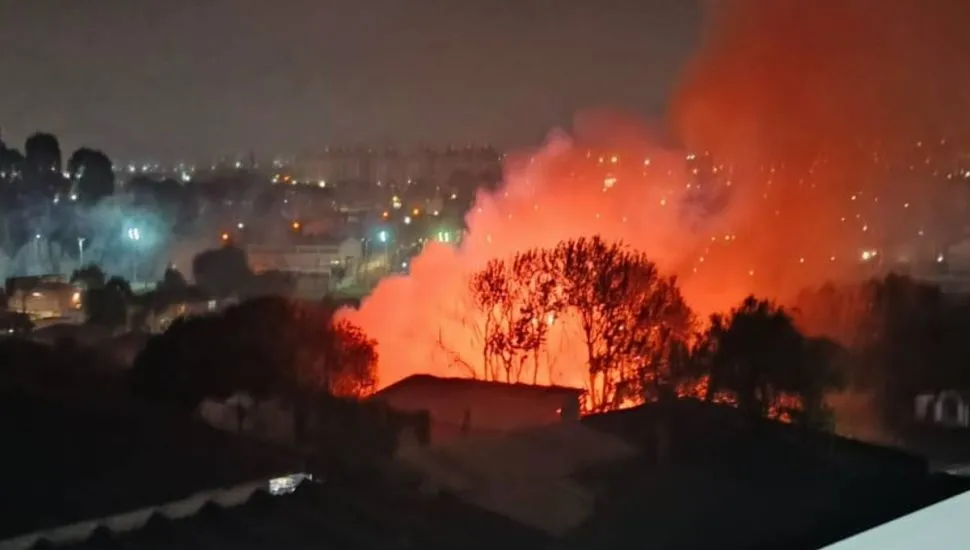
x,y
149,82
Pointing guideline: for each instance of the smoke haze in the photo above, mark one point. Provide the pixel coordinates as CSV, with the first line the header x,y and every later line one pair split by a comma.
x,y
814,134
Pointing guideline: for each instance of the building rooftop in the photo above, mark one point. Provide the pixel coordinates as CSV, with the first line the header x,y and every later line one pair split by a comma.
x,y
74,460
327,514
424,382
754,483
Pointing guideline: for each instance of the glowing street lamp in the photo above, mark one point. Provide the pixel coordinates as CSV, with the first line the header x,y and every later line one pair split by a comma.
x,y
383,237
134,235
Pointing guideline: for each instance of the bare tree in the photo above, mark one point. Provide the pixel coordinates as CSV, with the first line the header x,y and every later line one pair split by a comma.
x,y
631,319
541,303
496,294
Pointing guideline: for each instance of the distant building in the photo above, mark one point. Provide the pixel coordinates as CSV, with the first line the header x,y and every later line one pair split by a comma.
x,y
44,298
314,267
320,258
463,406
949,408
390,165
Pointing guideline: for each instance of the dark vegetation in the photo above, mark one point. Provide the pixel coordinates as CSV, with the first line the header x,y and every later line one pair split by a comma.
x,y
891,337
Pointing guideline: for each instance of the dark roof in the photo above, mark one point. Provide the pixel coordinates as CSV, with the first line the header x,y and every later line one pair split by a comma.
x,y
75,460
710,476
327,515
429,382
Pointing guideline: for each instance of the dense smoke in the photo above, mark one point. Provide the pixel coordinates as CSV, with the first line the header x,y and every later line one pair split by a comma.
x,y
850,115
816,137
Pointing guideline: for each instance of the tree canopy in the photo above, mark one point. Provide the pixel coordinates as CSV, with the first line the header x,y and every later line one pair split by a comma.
x,y
265,346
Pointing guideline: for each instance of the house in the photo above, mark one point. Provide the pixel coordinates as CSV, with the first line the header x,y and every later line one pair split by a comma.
x,y
460,407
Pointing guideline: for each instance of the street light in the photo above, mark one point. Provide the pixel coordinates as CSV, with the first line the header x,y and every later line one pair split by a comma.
x,y
383,237
134,235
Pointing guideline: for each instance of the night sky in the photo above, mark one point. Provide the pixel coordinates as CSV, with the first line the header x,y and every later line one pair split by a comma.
x,y
197,78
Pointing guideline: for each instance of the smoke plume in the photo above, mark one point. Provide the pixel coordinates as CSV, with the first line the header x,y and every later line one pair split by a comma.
x,y
816,137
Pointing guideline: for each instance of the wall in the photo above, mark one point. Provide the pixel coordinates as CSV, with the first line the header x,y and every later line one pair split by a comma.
x,y
480,410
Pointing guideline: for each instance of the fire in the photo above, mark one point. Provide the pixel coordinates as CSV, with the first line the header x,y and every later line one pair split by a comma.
x,y
798,166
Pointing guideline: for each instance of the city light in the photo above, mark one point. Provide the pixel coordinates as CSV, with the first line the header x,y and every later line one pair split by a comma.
x,y
240,225
225,237
407,220
134,234
296,226
382,236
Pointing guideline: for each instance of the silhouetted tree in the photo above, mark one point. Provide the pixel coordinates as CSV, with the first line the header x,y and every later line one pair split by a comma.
x,y
172,280
108,306
222,271
271,283
92,174
43,153
629,315
89,277
42,166
11,164
903,338
760,357
265,346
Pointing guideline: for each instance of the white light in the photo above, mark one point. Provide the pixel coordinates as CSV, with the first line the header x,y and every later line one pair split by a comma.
x,y
73,196
37,236
287,484
240,225
407,220
382,236
404,265
939,258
